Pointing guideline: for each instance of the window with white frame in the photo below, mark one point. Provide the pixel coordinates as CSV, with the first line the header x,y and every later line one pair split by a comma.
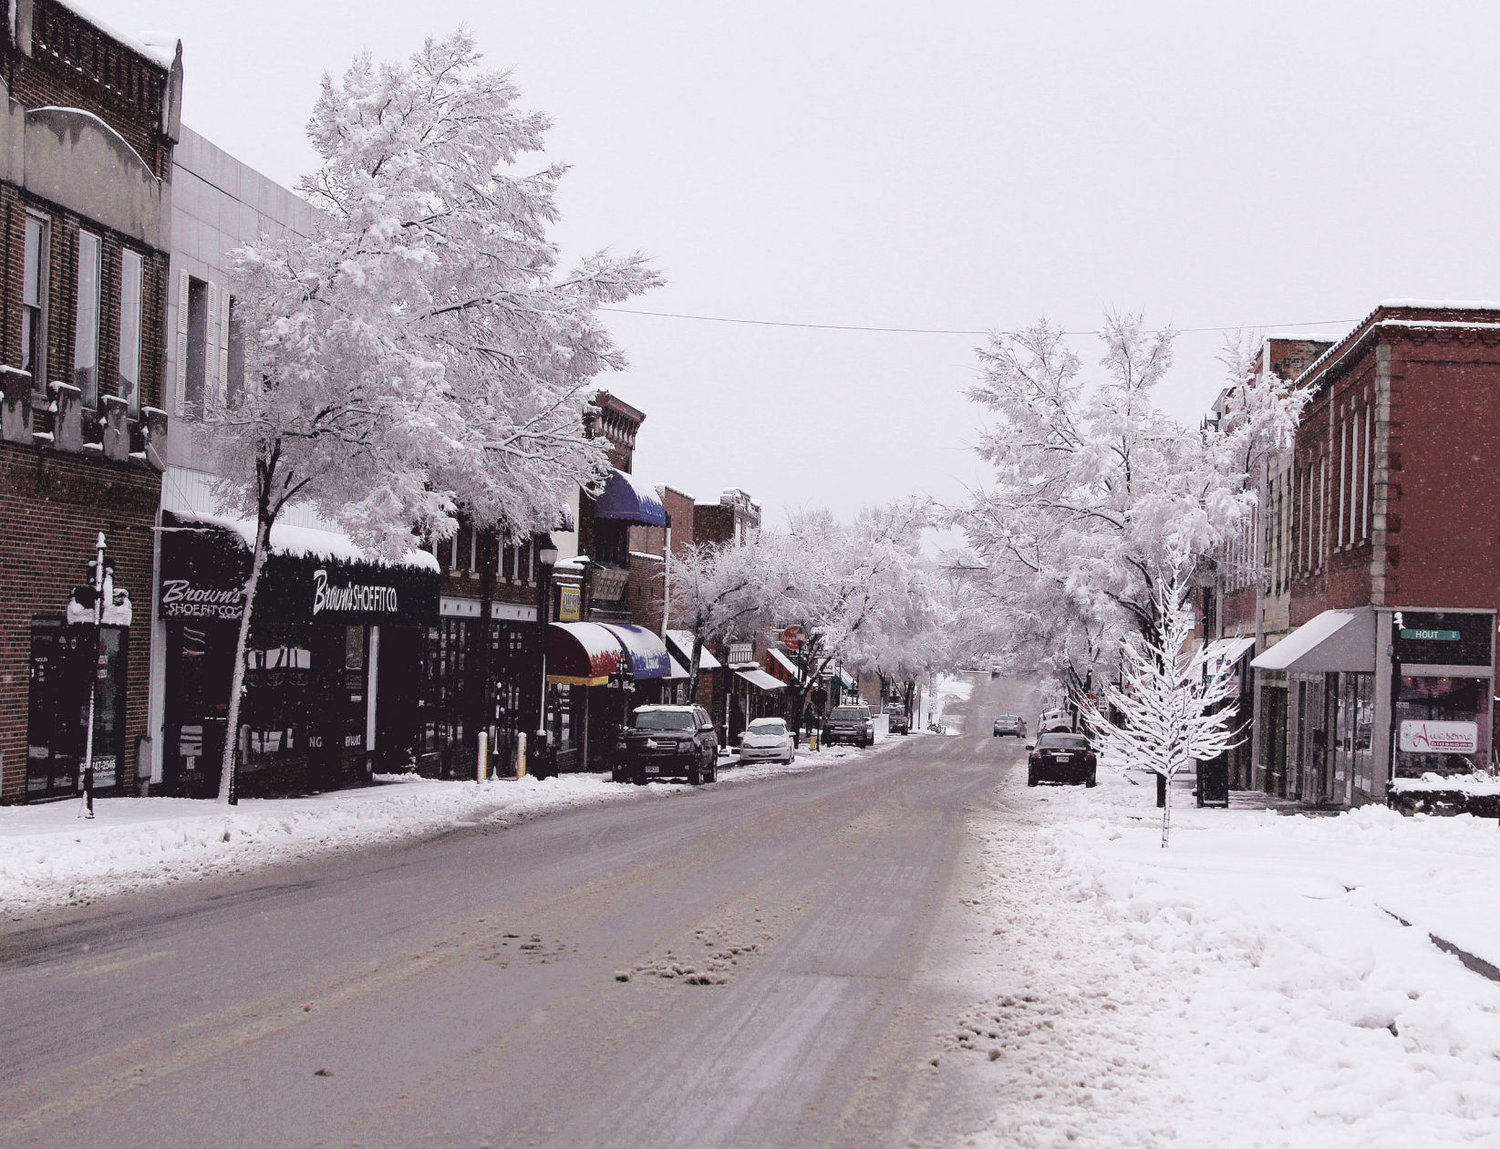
x,y
34,301
86,320
130,330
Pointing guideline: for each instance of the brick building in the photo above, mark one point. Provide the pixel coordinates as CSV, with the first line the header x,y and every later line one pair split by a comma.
x,y
89,130
1394,559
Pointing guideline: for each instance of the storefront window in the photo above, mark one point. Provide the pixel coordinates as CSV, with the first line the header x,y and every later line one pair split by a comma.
x,y
277,708
1442,726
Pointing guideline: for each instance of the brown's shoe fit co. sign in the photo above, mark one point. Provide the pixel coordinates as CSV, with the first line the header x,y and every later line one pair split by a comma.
x,y
203,571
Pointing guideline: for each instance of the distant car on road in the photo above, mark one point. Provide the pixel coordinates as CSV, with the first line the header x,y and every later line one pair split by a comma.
x,y
767,740
1062,757
851,724
897,720
667,742
1008,724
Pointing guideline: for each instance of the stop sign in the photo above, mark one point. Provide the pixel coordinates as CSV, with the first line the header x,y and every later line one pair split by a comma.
x,y
792,637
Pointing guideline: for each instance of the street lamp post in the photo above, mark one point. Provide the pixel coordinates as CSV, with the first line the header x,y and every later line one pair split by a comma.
x,y
546,559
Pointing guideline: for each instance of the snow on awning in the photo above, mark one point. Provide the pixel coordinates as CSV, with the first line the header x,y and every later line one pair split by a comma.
x,y
779,664
681,642
627,500
581,654
1334,640
310,576
760,679
1228,651
678,674
648,657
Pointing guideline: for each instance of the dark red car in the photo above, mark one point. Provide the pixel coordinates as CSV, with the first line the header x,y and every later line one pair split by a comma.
x,y
1062,757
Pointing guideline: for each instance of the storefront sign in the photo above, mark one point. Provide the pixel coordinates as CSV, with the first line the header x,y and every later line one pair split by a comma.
x,y
1423,736
203,574
741,652
569,603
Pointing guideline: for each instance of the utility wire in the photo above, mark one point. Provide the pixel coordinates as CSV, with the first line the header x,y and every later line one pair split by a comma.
x,y
937,330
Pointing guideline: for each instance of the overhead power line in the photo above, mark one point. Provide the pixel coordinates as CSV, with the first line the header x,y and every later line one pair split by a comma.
x,y
938,330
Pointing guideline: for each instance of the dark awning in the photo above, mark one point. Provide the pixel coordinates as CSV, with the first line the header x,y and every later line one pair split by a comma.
x,y
581,654
310,575
648,655
627,500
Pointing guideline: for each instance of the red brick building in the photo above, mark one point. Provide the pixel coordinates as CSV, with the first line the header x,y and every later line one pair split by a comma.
x,y
1394,555
85,161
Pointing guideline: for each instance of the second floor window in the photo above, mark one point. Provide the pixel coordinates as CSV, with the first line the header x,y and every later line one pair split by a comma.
x,y
86,329
195,347
130,330
33,303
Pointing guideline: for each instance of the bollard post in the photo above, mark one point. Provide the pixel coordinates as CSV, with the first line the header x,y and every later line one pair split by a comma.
x,y
482,763
520,754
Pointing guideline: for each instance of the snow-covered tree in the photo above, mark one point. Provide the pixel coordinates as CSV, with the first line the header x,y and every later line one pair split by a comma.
x,y
1178,705
719,592
1096,490
418,352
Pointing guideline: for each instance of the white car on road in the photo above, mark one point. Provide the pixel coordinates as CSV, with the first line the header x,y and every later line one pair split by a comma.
x,y
767,740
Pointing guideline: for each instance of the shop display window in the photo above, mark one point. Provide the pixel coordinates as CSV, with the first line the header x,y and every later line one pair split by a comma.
x,y
1458,709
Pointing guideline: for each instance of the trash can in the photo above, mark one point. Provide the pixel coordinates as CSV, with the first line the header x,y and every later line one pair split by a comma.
x,y
1213,781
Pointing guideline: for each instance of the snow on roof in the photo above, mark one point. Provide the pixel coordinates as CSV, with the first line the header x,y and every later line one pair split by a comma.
x,y
310,542
151,45
1442,304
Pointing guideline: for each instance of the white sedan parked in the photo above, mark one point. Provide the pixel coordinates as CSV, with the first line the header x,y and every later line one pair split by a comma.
x,y
767,740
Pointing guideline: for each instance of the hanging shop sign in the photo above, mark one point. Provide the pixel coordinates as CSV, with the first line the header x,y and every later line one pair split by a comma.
x,y
569,603
1422,736
203,574
741,653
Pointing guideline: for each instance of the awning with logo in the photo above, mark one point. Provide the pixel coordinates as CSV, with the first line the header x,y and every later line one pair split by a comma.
x,y
311,575
581,654
1342,640
628,500
1227,651
648,655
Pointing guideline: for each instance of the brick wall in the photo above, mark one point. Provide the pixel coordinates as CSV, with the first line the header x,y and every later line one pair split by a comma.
x,y
62,273
55,505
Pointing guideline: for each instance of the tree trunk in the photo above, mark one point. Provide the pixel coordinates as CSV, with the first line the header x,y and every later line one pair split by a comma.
x,y
1166,814
227,793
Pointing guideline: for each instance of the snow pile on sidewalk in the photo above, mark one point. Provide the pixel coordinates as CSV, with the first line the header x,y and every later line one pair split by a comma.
x,y
1248,986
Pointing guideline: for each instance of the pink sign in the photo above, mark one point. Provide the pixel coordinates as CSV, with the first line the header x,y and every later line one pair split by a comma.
x,y
1427,737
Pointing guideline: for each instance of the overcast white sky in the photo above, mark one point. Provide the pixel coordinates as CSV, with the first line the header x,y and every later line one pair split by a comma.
x,y
938,165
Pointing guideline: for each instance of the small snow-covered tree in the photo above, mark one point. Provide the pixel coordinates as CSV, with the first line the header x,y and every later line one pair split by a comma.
x,y
417,352
1178,707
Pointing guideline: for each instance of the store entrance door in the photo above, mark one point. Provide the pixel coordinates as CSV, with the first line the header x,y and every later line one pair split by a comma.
x,y
65,661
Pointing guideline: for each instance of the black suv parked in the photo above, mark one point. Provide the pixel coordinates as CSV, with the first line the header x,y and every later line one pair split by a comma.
x,y
850,724
667,742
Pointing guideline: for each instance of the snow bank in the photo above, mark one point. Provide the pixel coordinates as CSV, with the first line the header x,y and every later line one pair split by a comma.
x,y
1252,985
51,857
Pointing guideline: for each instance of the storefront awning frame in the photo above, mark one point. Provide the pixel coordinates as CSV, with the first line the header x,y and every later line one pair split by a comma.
x,y
625,499
581,654
1335,640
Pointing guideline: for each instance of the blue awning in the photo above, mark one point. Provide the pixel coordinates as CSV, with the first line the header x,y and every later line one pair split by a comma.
x,y
648,656
627,500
